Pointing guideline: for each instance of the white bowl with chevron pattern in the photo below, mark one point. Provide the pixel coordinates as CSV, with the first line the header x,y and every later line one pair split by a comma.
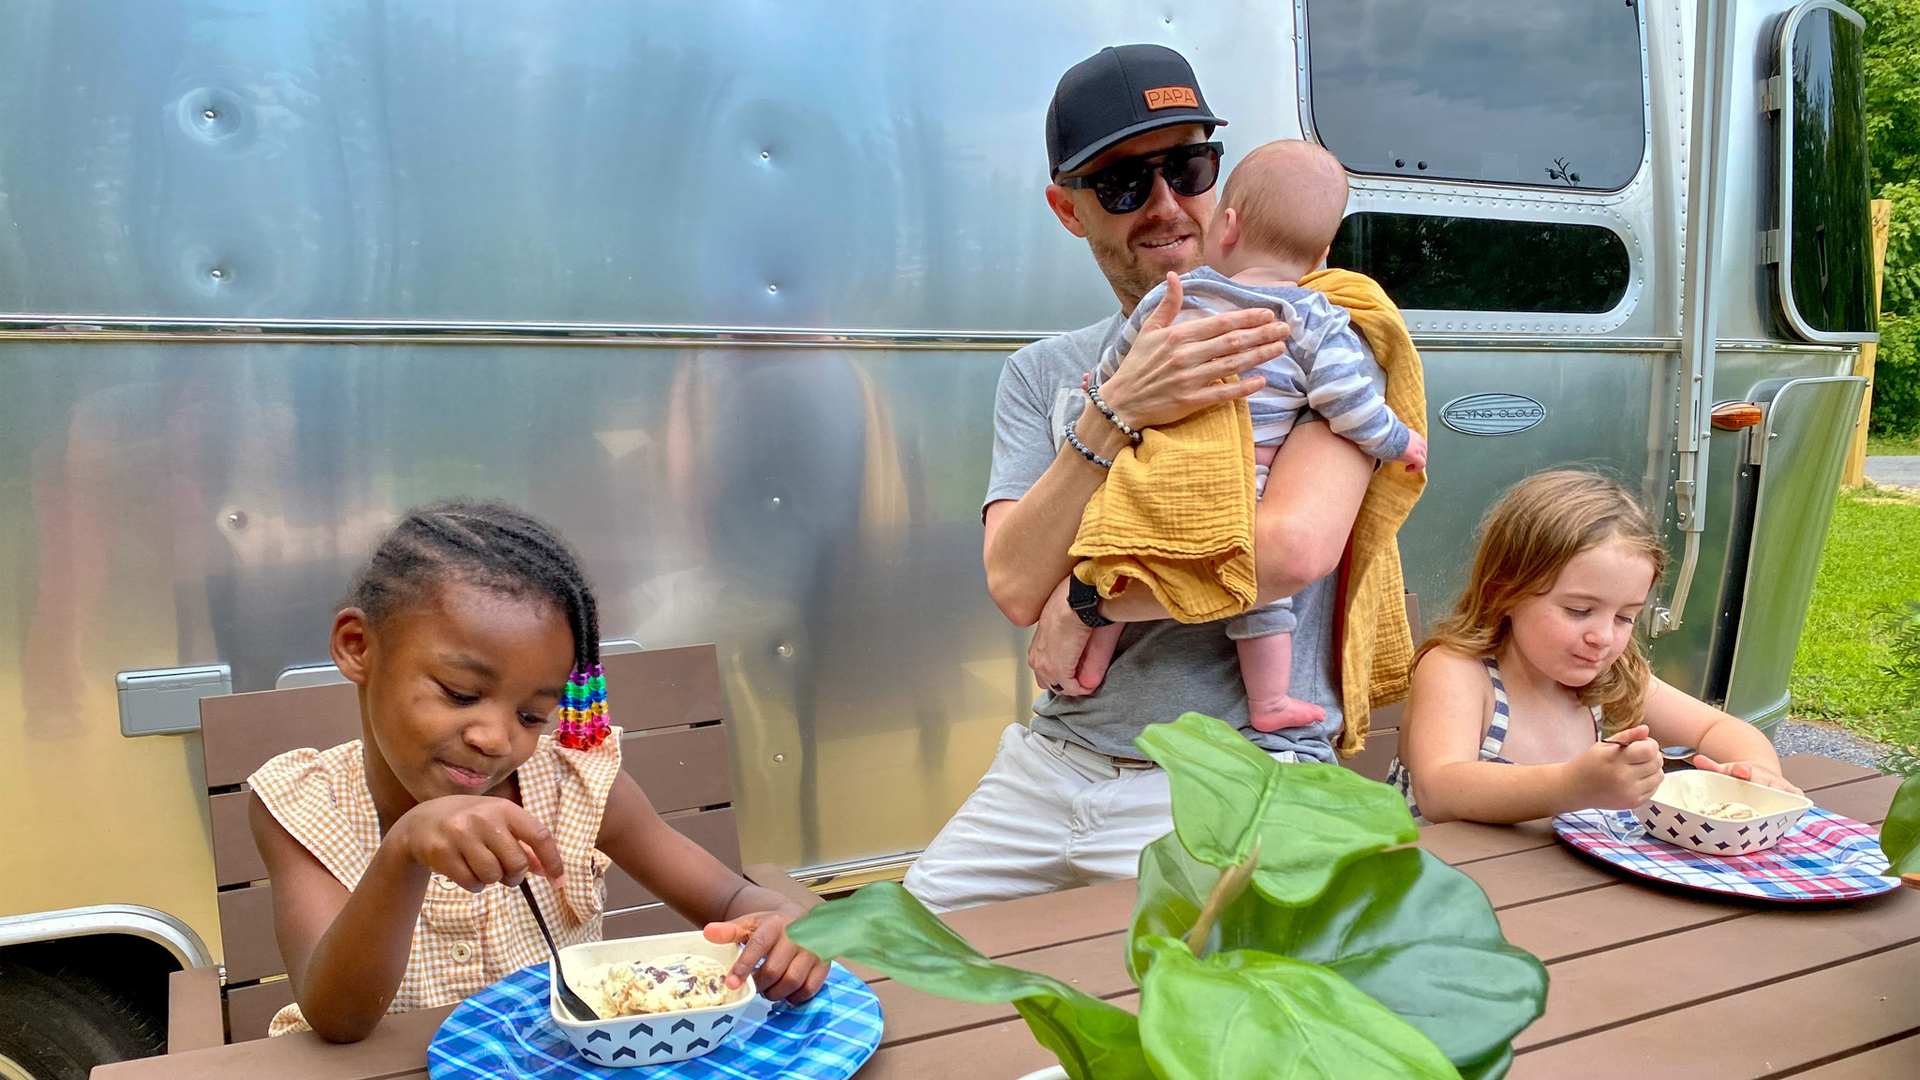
x,y
655,1038
1670,817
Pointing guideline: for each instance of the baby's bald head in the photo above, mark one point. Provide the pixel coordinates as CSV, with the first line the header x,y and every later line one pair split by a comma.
x,y
1290,196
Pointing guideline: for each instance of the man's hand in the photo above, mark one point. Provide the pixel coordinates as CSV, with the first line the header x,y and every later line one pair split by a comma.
x,y
1174,371
1059,640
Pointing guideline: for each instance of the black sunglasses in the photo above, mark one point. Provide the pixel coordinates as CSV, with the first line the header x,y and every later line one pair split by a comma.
x,y
1125,185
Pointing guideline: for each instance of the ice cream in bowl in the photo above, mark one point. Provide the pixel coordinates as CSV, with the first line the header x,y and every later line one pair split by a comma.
x,y
1716,814
661,998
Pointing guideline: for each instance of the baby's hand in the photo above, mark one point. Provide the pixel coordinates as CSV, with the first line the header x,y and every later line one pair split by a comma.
x,y
1619,774
477,840
1416,452
788,972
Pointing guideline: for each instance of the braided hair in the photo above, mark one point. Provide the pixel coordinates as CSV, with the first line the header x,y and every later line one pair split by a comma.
x,y
494,546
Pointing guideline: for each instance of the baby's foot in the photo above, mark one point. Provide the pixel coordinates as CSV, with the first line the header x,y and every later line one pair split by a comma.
x,y
1287,712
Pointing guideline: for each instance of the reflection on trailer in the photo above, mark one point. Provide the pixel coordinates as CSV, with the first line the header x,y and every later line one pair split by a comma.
x,y
724,294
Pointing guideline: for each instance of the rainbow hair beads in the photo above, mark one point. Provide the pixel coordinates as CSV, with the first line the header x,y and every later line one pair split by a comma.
x,y
583,709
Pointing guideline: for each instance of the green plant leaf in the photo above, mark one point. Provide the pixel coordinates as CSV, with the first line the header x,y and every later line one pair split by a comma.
x,y
885,928
1248,1014
1307,820
1491,1068
1900,833
1403,926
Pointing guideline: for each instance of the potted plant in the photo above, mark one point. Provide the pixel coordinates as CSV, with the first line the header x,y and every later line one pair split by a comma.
x,y
1280,930
1900,832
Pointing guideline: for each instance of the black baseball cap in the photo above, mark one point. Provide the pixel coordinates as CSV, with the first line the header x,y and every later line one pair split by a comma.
x,y
1117,93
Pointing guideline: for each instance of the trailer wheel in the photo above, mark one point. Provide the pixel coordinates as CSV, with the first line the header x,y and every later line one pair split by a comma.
x,y
59,1026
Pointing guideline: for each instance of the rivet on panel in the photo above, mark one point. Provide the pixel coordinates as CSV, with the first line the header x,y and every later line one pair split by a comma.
x,y
235,520
773,288
775,502
778,758
784,649
216,273
764,155
210,114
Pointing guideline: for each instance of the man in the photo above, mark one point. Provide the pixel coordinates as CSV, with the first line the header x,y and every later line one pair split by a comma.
x,y
1066,801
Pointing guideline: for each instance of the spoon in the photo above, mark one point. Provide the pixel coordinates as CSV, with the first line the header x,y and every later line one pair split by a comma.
x,y
1677,757
574,1002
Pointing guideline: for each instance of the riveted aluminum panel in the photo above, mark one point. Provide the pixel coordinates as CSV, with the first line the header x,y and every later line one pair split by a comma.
x,y
678,161
758,436
1604,410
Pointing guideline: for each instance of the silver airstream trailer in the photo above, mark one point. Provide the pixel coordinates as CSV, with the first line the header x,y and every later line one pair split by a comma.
x,y
723,290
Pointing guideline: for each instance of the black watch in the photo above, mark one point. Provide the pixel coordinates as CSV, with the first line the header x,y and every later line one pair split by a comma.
x,y
1084,599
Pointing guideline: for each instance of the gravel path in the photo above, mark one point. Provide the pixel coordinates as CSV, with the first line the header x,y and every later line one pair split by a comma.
x,y
1800,737
1898,471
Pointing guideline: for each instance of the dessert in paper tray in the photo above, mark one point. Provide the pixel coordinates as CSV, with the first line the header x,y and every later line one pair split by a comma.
x,y
1716,814
663,984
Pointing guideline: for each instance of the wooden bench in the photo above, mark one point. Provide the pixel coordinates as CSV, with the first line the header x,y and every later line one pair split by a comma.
x,y
674,744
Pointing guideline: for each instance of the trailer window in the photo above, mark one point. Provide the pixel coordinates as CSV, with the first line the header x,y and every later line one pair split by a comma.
x,y
1826,281
1479,264
1541,92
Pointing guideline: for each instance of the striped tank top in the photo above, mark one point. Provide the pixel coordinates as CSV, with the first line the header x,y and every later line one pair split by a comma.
x,y
1490,747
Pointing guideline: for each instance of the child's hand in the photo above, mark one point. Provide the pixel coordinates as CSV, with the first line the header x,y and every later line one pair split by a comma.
x,y
1746,770
1416,452
1618,774
477,840
789,971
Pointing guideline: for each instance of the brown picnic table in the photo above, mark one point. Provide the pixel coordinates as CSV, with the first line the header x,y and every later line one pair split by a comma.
x,y
1647,982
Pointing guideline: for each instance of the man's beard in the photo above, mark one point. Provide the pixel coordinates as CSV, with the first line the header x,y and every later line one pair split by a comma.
x,y
1122,265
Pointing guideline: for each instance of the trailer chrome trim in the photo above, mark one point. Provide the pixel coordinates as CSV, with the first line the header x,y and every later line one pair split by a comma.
x,y
371,332
142,922
357,331
839,877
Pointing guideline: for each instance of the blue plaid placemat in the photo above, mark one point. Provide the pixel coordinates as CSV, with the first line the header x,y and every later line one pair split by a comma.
x,y
505,1031
1827,858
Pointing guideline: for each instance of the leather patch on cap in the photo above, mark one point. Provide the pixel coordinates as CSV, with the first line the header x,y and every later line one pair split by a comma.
x,y
1167,97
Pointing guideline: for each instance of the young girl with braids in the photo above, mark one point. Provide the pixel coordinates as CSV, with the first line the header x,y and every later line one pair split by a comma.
x,y
394,857
1533,698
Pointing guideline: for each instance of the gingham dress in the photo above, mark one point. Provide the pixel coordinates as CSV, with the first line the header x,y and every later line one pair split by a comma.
x,y
463,942
1490,747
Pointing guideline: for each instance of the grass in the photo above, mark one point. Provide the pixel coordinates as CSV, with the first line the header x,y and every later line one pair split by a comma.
x,y
1868,572
1885,446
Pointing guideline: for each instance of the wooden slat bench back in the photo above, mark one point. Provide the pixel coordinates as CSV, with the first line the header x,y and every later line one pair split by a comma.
x,y
674,744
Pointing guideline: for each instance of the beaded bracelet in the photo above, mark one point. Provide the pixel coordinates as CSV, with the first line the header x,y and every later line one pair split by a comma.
x,y
1133,436
1082,447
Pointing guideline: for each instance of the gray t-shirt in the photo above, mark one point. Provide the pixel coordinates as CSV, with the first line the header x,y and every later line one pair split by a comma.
x,y
1160,669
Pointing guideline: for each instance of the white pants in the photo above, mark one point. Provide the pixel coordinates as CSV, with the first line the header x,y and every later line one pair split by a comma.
x,y
1048,815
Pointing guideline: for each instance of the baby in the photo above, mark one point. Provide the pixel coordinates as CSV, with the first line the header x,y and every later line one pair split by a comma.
x,y
1276,222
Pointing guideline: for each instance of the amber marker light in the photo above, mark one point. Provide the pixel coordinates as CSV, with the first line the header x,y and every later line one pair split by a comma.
x,y
1734,415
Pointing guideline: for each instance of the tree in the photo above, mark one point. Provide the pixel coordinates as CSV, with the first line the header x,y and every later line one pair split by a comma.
x,y
1893,137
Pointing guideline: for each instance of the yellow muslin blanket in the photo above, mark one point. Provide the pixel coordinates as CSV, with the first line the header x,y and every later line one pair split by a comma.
x,y
1176,515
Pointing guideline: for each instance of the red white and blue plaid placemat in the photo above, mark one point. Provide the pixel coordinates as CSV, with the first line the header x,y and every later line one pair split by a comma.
x,y
1828,857
505,1031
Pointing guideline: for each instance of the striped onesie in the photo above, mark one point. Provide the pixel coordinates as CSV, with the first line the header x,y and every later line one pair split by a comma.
x,y
1321,370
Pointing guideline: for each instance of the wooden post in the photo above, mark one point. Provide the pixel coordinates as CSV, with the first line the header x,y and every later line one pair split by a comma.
x,y
1855,473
